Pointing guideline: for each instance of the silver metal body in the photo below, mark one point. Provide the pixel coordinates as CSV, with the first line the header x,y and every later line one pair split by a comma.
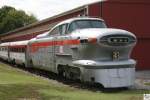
x,y
17,52
99,55
4,51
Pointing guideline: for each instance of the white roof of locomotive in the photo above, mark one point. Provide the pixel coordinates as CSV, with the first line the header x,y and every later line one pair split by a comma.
x,y
45,34
17,43
5,44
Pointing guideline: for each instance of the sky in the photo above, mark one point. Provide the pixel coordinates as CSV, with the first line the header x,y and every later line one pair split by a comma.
x,y
45,8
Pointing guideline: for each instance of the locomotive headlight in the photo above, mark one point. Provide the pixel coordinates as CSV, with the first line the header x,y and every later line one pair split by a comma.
x,y
117,40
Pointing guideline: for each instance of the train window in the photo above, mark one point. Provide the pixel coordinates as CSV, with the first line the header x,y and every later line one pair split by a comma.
x,y
82,24
62,29
14,49
18,49
23,49
72,27
55,31
11,49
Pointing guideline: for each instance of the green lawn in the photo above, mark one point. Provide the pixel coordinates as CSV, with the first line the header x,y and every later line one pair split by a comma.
x,y
18,85
147,83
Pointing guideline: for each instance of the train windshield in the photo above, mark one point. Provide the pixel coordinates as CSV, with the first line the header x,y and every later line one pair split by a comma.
x,y
82,24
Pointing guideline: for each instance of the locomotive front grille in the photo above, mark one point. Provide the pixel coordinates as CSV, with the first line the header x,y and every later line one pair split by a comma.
x,y
117,40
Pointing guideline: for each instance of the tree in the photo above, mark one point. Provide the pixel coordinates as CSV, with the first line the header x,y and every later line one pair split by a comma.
x,y
10,19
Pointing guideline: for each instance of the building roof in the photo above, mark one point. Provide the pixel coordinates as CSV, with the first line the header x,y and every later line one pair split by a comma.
x,y
47,19
42,21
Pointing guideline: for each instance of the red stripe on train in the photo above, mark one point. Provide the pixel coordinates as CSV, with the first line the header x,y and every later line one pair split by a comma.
x,y
52,43
36,46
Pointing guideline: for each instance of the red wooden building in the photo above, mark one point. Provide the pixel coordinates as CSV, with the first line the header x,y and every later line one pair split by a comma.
x,y
131,15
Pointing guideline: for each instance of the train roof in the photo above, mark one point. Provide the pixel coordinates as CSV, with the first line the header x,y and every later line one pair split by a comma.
x,y
43,35
17,43
5,44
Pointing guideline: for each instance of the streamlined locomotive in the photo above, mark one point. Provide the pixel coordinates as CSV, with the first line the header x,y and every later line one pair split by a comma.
x,y
84,48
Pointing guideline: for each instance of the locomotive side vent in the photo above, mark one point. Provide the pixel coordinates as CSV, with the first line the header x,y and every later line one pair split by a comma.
x,y
117,40
82,41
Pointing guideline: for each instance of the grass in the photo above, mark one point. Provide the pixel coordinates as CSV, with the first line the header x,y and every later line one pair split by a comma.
x,y
18,85
147,83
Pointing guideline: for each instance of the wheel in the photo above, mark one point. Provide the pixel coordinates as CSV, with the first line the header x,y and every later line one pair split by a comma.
x,y
13,62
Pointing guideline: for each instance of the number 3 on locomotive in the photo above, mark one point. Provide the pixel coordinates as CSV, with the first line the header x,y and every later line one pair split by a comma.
x,y
115,55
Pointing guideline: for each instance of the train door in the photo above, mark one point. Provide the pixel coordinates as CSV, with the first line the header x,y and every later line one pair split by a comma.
x,y
52,50
51,54
58,35
64,49
8,51
64,56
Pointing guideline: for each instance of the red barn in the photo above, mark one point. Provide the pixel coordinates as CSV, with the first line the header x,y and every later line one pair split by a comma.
x,y
131,15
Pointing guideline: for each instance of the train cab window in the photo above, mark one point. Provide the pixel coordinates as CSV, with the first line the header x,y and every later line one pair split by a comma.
x,y
83,24
55,31
63,28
